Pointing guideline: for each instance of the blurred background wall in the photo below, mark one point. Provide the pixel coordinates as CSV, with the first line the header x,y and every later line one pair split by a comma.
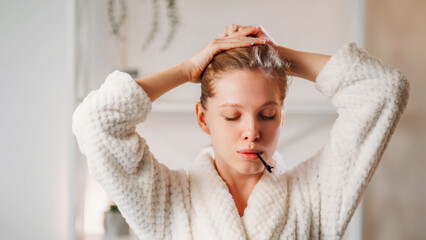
x,y
36,102
52,53
394,204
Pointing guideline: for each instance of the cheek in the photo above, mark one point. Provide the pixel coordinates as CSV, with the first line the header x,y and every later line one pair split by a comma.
x,y
221,132
224,131
271,132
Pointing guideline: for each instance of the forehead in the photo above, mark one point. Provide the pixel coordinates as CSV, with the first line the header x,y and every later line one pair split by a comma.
x,y
247,88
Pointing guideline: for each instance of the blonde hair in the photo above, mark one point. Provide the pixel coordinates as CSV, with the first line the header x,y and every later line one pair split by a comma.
x,y
262,58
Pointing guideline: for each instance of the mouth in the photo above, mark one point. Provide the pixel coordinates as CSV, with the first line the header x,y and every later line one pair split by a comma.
x,y
250,154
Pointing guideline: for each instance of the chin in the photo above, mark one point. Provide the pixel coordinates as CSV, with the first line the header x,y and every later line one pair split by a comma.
x,y
250,168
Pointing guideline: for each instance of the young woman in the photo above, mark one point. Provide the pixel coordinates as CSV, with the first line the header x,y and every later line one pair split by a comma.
x,y
229,193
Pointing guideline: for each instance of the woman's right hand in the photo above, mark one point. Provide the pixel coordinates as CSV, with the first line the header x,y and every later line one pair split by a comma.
x,y
232,37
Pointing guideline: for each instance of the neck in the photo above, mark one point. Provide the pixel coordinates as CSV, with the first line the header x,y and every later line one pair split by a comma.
x,y
240,185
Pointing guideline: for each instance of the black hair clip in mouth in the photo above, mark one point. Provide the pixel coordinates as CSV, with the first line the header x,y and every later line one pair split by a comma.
x,y
264,163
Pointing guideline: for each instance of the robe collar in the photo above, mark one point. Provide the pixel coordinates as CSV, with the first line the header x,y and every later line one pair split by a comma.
x,y
215,214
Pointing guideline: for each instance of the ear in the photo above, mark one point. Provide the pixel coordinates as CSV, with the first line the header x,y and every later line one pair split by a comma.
x,y
282,114
201,118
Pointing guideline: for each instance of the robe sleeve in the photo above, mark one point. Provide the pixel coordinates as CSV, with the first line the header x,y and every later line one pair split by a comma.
x,y
118,157
369,96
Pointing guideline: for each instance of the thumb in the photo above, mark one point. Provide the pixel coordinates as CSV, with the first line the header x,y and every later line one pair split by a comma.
x,y
251,30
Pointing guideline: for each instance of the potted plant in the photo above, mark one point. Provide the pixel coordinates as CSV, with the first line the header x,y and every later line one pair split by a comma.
x,y
114,223
174,22
117,23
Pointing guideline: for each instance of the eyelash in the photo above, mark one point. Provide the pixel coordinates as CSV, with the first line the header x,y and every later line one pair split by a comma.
x,y
263,117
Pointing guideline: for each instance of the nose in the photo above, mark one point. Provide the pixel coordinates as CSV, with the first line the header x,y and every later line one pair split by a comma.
x,y
251,131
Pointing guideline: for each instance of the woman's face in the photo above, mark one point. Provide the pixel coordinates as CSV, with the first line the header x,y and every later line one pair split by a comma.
x,y
245,115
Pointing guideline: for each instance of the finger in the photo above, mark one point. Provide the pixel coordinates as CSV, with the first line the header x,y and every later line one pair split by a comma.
x,y
249,30
220,44
236,44
235,27
224,33
243,41
231,29
256,29
223,44
246,31
228,29
256,40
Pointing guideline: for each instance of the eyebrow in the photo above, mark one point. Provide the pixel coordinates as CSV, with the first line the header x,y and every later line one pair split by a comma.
x,y
235,105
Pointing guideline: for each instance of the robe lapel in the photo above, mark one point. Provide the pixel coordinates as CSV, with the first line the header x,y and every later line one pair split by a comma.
x,y
214,214
267,207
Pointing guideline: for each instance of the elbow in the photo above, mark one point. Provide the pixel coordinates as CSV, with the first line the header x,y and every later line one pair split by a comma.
x,y
78,128
398,89
79,121
401,88
76,119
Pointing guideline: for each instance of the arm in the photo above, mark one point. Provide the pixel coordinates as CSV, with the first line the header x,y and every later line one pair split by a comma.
x,y
370,97
120,160
303,64
190,70
159,83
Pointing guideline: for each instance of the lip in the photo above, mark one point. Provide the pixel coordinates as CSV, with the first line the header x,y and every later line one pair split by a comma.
x,y
250,150
250,153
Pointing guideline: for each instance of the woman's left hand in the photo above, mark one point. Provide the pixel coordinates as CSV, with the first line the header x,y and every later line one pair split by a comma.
x,y
259,32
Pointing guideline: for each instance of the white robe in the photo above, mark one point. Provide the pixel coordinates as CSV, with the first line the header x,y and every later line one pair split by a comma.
x,y
314,200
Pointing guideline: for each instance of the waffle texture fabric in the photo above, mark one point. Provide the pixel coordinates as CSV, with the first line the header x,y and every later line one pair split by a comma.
x,y
314,200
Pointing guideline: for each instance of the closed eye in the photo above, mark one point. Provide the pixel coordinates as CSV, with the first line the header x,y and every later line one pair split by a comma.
x,y
268,118
263,117
231,119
